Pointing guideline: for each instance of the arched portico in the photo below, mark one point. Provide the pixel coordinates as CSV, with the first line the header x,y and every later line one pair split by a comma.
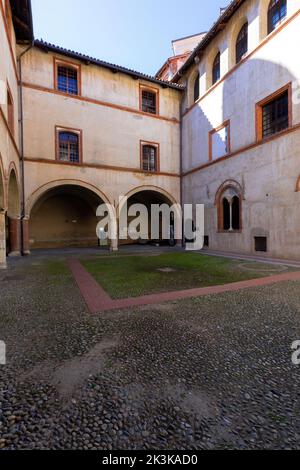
x,y
63,214
146,196
2,220
13,214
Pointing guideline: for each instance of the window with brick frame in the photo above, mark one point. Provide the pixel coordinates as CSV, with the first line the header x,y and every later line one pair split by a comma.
x,y
229,211
276,13
67,77
149,100
149,157
68,145
274,114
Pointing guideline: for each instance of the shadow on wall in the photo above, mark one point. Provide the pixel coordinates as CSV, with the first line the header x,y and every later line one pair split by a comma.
x,y
268,180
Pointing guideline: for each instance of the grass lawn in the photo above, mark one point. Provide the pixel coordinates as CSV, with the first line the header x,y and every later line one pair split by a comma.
x,y
132,276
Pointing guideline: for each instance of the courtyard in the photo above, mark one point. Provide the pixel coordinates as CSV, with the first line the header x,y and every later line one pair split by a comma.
x,y
207,372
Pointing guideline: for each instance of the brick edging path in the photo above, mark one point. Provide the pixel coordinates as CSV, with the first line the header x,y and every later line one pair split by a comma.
x,y
97,300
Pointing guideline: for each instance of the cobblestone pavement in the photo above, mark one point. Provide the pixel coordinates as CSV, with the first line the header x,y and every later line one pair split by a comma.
x,y
206,373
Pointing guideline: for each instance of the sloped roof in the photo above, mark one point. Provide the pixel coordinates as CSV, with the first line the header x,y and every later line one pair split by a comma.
x,y
113,67
218,26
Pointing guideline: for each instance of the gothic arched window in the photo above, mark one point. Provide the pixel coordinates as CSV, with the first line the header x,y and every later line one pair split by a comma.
x,y
229,210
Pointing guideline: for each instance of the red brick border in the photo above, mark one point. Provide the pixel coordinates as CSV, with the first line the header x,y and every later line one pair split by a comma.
x,y
98,300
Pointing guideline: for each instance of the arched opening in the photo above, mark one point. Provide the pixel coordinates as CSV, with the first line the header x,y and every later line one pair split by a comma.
x,y
226,214
216,69
13,203
229,206
149,226
241,47
2,199
236,213
197,87
64,216
13,229
2,222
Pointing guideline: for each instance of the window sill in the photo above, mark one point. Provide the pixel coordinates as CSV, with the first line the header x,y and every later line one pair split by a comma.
x,y
149,114
63,162
230,231
262,140
149,173
65,93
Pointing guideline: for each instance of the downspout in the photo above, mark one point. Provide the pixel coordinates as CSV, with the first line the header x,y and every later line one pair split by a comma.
x,y
21,127
181,168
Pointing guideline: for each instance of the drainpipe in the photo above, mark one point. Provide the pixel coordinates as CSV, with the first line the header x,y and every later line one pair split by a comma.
x,y
181,169
21,127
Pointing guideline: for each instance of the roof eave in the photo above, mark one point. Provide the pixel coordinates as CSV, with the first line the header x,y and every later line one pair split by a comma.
x,y
114,68
212,33
22,19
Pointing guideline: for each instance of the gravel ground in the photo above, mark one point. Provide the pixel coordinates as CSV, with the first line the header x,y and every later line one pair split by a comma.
x,y
208,373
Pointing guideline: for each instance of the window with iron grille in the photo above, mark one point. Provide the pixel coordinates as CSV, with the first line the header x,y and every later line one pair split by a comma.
x,y
242,43
68,143
277,12
275,115
67,79
216,71
197,88
150,158
149,104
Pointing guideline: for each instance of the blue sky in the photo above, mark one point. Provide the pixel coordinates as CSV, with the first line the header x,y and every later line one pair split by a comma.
x,y
133,33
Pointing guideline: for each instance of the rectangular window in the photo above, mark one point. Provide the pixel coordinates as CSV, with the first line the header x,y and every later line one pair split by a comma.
x,y
67,78
149,100
68,145
219,141
273,114
150,157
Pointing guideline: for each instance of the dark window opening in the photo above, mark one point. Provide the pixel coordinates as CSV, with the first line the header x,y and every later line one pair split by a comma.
x,y
277,12
197,88
242,43
275,115
216,72
150,158
206,241
149,102
68,147
67,80
261,244
226,214
236,213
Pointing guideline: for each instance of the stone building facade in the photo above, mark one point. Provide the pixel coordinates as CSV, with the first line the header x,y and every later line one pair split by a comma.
x,y
223,130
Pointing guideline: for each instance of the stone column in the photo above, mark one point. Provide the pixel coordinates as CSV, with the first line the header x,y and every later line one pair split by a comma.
x,y
2,241
25,227
14,237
